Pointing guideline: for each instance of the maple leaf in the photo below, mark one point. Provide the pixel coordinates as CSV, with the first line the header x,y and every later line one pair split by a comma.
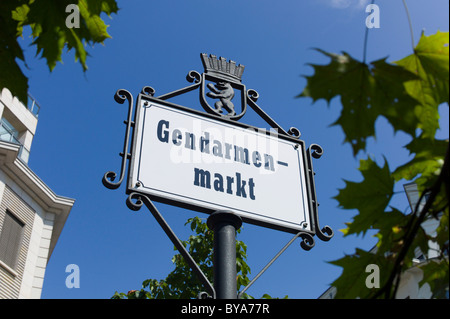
x,y
408,94
350,79
430,62
367,91
351,284
427,161
370,197
50,35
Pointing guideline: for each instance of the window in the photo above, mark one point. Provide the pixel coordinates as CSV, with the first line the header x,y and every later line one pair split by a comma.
x,y
7,132
10,239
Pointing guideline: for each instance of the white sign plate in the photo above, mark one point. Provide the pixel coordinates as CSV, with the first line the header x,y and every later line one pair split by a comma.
x,y
194,160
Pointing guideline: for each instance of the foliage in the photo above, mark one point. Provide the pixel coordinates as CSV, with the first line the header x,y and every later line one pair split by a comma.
x,y
408,94
47,20
182,283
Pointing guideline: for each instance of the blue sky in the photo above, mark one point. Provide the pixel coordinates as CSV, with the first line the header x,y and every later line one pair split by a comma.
x,y
156,43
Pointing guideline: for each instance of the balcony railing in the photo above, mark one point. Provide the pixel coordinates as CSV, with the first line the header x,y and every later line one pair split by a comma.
x,y
8,136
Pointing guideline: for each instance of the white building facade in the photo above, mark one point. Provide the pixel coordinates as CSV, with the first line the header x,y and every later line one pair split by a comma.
x,y
32,216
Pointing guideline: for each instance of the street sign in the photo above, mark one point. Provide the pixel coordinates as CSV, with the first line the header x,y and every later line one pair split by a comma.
x,y
207,163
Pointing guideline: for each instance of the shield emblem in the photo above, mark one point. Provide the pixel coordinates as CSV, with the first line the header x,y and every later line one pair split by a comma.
x,y
221,90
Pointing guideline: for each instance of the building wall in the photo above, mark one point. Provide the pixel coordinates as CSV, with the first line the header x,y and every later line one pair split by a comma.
x,y
19,116
33,279
409,285
26,280
37,211
11,279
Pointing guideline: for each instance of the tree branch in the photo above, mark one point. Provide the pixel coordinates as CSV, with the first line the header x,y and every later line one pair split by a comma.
x,y
412,231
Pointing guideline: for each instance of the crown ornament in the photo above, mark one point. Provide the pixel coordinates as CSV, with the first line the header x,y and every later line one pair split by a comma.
x,y
220,67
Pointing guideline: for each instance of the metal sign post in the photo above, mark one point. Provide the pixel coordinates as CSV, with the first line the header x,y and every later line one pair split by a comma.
x,y
224,224
209,162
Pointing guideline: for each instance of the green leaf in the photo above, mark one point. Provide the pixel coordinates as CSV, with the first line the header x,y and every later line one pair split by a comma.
x,y
90,12
50,46
50,35
442,232
366,92
390,99
351,80
12,76
390,227
98,6
433,54
427,162
20,15
351,283
429,62
370,197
